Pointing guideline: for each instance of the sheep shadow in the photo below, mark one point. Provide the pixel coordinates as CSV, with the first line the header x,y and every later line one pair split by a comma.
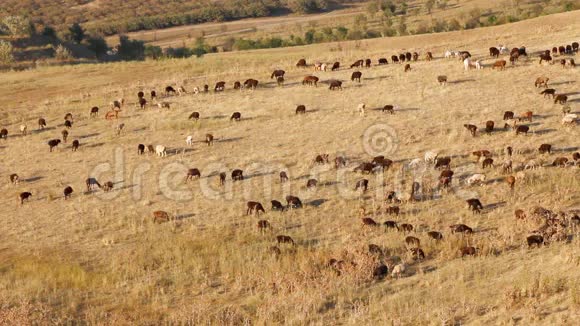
x,y
183,216
563,83
461,81
309,243
328,183
89,135
544,131
229,140
94,145
574,100
408,109
258,174
32,179
495,205
571,93
567,149
317,202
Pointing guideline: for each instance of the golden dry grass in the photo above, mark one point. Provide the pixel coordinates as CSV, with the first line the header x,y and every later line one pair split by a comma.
x,y
101,260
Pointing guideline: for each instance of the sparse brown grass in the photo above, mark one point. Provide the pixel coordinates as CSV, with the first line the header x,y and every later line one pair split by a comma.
x,y
102,260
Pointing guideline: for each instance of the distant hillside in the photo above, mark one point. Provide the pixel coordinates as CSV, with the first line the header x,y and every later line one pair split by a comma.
x,y
110,17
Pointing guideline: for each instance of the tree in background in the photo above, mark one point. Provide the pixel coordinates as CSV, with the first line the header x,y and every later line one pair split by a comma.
x,y
17,26
77,33
131,49
307,6
6,49
153,52
98,45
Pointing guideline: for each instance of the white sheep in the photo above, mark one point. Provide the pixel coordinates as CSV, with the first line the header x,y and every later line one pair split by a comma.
x,y
23,129
478,65
532,164
189,140
467,64
431,156
449,54
477,178
503,49
361,109
569,119
196,90
398,270
163,105
181,90
414,163
119,128
160,150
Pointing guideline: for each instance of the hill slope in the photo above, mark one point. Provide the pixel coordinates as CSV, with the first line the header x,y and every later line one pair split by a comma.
x,y
99,258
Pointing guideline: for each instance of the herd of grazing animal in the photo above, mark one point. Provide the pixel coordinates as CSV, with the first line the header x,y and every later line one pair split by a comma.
x,y
556,225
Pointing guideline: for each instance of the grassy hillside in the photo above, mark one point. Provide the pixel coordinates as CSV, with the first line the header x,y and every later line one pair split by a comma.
x,y
98,258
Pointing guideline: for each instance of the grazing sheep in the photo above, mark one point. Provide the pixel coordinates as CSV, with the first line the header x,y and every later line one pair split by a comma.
x,y
417,253
75,145
541,81
531,164
277,206
92,183
367,221
23,129
511,181
209,139
356,76
222,178
560,161
108,186
194,116
293,202
189,140
471,128
160,217
391,225
361,109
237,175
321,159
412,241
560,98
311,183
414,163
461,228
160,150
507,166
67,192
488,162
435,235
150,149
68,124
283,177
390,108
522,130
236,116
474,204
535,240
41,123
192,173
431,156
119,129
301,109
339,162
545,148
405,227
14,179
468,251
53,143
570,119
489,125
442,80
476,179
263,225
362,184
164,105
285,239
407,67
24,196
94,112
520,214
443,162
254,206
398,270
68,117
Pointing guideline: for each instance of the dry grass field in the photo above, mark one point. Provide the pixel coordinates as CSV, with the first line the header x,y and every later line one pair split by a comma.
x,y
98,258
